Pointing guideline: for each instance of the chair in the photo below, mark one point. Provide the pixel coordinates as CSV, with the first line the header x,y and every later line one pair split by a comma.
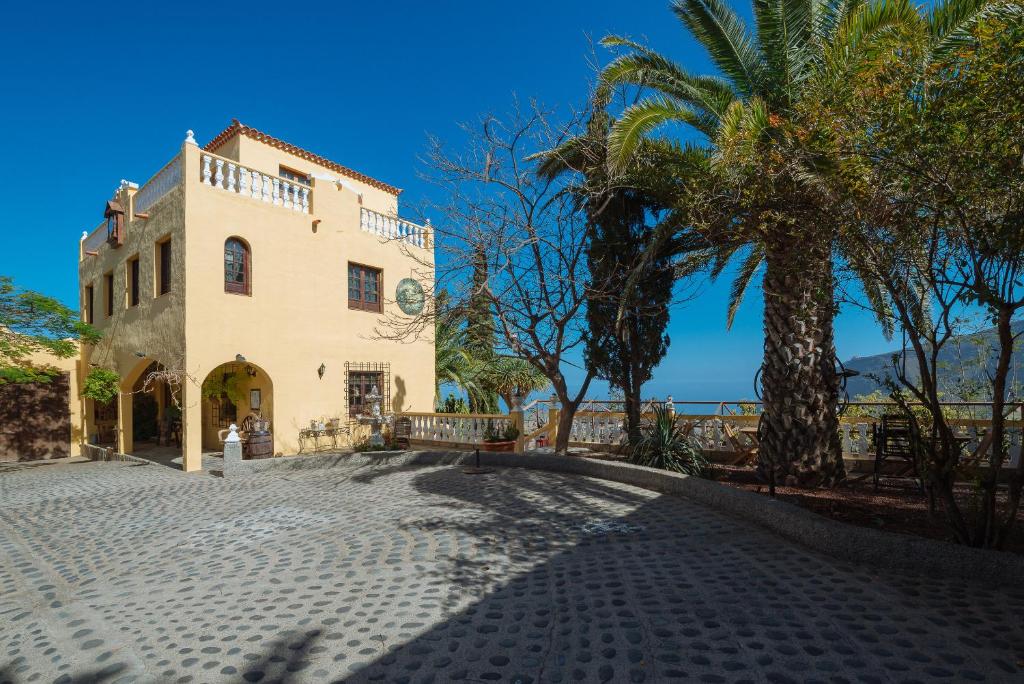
x,y
896,439
744,453
403,432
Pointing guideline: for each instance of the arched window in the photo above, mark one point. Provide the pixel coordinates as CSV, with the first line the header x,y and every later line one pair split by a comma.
x,y
236,266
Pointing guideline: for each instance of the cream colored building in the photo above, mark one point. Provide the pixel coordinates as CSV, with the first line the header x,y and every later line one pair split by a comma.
x,y
257,266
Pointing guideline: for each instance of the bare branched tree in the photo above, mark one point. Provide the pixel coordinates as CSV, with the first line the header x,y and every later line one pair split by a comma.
x,y
532,231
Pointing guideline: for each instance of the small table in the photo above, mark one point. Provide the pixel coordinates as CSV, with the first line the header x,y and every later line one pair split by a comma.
x,y
325,431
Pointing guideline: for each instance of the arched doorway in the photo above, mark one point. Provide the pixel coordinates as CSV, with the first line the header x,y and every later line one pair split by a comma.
x,y
151,418
232,392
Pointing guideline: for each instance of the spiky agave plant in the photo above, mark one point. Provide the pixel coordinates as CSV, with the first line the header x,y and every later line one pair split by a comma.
x,y
663,445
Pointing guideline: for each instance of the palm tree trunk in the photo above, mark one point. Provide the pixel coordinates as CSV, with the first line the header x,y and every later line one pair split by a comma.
x,y
800,429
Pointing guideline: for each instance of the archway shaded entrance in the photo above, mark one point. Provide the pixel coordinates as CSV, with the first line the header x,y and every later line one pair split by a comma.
x,y
237,392
156,422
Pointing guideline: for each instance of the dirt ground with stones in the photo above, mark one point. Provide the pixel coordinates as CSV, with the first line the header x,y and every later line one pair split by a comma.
x,y
115,572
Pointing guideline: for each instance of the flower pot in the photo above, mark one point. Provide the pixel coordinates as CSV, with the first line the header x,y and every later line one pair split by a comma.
x,y
499,446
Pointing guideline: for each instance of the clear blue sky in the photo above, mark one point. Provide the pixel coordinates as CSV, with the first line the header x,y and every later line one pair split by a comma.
x,y
95,92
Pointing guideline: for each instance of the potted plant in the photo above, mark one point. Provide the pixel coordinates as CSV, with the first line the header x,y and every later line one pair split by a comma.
x,y
500,441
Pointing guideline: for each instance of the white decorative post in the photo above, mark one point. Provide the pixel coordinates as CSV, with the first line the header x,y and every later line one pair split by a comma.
x,y
670,406
206,169
243,181
231,177
257,185
305,200
266,188
297,200
286,194
190,138
232,450
218,178
277,191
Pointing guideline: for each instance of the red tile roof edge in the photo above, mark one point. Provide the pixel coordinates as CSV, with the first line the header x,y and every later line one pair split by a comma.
x,y
238,128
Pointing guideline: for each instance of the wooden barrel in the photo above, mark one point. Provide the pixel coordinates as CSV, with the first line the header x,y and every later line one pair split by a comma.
x,y
261,445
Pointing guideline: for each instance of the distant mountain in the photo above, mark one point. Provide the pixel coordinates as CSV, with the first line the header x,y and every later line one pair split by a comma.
x,y
954,359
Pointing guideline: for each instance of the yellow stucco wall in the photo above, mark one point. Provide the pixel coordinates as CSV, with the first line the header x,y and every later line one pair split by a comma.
x,y
296,317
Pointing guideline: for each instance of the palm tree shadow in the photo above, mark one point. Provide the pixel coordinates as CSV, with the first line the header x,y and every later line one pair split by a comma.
x,y
284,660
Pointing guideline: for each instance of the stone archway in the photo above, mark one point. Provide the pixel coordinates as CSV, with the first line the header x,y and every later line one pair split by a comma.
x,y
149,416
231,392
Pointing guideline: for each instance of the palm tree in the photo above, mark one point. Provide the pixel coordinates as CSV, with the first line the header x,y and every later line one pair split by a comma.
x,y
453,363
775,215
510,377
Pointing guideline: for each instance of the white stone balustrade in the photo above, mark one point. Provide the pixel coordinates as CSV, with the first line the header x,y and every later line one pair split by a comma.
x,y
165,180
229,176
393,228
454,428
92,242
591,427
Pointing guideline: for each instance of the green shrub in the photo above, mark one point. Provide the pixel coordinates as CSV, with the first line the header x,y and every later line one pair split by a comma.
x,y
101,385
663,445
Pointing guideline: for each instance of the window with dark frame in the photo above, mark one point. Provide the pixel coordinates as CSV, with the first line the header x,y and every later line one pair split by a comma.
x,y
360,379
292,175
236,266
364,285
359,386
133,281
108,293
164,267
89,316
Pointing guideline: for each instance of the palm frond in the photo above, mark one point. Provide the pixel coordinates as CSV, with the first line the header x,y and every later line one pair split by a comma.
x,y
726,38
639,119
832,15
741,283
951,22
785,36
571,155
863,31
647,68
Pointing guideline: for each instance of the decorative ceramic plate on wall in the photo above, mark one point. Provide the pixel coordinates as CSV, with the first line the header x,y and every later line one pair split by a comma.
x,y
410,297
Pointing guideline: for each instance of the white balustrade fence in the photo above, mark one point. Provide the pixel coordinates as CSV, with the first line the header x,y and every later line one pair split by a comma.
x,y
165,180
392,228
598,427
709,431
96,239
228,175
455,428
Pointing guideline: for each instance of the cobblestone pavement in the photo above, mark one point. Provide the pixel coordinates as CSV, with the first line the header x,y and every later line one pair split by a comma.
x,y
129,572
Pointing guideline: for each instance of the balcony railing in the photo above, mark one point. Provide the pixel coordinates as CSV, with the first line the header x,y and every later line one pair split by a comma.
x,y
393,228
165,180
228,175
92,242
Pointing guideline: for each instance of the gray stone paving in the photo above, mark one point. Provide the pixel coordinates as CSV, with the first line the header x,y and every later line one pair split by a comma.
x,y
128,572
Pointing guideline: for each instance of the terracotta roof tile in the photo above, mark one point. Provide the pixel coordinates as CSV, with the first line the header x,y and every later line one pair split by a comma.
x,y
238,128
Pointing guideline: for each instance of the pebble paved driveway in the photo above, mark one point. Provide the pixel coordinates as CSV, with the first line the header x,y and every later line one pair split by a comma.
x,y
126,572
